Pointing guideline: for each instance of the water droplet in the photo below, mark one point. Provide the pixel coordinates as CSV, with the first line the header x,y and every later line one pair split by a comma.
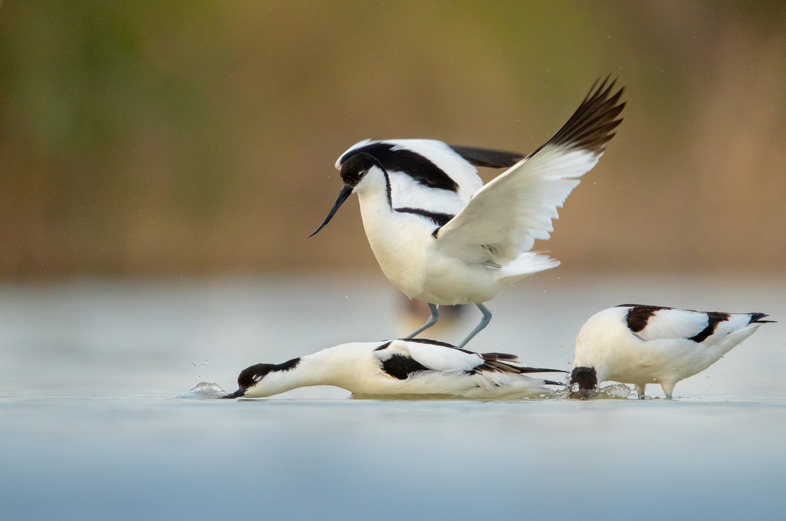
x,y
193,364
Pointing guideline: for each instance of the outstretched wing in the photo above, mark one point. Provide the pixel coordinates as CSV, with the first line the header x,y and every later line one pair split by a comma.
x,y
504,218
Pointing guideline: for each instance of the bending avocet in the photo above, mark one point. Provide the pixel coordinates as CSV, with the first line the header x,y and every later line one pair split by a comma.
x,y
639,345
441,236
412,367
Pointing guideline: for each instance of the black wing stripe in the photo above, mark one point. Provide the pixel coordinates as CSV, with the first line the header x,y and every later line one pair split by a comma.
x,y
434,342
714,318
487,157
638,316
440,219
418,167
400,366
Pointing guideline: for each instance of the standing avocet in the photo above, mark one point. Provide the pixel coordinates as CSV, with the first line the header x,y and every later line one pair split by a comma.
x,y
414,368
639,345
441,236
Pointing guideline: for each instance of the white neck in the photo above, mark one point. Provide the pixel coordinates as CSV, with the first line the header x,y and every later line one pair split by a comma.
x,y
326,367
375,188
397,240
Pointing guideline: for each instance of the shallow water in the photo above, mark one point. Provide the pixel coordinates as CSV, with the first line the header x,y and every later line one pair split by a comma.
x,y
90,427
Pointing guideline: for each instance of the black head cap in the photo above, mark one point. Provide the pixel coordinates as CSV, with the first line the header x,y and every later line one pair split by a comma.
x,y
356,166
586,377
249,377
587,380
353,169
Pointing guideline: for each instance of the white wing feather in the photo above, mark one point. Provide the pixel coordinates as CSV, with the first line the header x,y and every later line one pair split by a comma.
x,y
504,218
671,324
439,153
406,192
434,357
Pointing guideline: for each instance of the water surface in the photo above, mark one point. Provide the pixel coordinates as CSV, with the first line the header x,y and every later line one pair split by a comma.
x,y
90,427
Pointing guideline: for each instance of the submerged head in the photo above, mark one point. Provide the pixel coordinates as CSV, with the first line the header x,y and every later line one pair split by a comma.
x,y
583,382
353,172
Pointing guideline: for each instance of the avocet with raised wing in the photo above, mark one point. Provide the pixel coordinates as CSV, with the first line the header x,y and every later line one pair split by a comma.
x,y
411,368
443,237
639,345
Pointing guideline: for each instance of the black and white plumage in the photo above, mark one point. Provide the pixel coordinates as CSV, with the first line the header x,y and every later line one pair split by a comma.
x,y
428,177
399,368
637,344
443,237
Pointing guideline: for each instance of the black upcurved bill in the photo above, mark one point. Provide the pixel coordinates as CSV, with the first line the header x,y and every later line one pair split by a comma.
x,y
236,394
342,196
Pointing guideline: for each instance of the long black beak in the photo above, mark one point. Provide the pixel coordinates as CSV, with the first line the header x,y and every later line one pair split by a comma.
x,y
342,196
236,394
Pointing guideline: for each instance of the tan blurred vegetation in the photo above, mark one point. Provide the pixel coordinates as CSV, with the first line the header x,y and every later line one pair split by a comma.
x,y
182,138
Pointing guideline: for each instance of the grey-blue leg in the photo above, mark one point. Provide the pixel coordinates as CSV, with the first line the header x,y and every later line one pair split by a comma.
x,y
431,321
483,323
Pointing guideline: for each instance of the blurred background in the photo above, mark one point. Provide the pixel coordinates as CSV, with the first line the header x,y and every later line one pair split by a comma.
x,y
193,138
161,164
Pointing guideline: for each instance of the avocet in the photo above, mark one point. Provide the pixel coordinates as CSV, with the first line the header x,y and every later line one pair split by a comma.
x,y
443,237
640,345
406,368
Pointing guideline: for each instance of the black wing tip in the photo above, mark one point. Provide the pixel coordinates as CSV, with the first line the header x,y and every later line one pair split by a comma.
x,y
756,318
551,382
498,356
590,127
540,370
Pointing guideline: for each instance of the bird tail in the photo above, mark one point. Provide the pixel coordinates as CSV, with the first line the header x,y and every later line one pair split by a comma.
x,y
525,264
507,363
734,339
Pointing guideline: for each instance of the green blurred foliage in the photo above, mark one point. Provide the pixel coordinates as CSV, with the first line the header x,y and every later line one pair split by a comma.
x,y
190,137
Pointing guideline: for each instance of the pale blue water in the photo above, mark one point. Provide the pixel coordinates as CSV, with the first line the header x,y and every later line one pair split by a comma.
x,y
90,429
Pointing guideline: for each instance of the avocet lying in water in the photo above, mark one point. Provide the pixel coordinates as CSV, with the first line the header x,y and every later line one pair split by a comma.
x,y
410,368
638,345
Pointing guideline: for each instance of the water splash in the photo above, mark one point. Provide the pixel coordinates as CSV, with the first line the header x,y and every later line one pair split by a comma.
x,y
615,392
609,392
204,391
